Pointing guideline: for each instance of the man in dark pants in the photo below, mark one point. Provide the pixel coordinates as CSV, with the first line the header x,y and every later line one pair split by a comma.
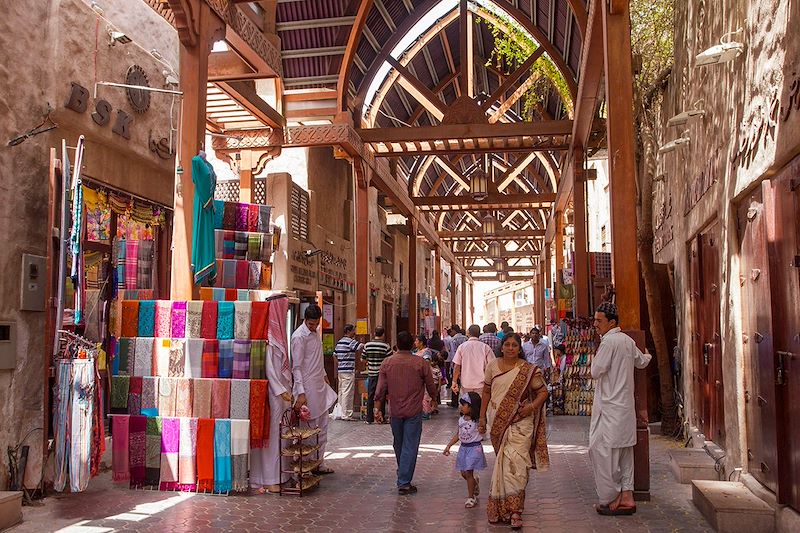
x,y
404,378
375,351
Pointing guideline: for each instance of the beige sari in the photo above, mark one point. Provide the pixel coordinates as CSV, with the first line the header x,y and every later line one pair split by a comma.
x,y
519,446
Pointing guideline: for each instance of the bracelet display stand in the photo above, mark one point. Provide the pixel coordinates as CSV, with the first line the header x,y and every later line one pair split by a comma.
x,y
304,453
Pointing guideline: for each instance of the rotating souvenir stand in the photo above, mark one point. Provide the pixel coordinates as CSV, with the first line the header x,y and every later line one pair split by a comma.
x,y
577,391
300,473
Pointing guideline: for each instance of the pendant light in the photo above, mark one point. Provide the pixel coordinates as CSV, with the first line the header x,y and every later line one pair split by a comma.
x,y
502,277
488,225
494,249
499,265
479,185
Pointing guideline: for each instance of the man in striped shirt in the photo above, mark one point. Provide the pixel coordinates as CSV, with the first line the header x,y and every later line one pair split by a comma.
x,y
345,353
375,351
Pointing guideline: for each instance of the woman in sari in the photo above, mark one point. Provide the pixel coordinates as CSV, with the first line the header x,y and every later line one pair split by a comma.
x,y
514,394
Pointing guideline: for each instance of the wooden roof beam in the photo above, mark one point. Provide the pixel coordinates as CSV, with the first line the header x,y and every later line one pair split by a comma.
x,y
245,94
429,100
545,128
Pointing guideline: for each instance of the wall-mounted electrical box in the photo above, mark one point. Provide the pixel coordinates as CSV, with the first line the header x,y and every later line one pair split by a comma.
x,y
8,345
33,282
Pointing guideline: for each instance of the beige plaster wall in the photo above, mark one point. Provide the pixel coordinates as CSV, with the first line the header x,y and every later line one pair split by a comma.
x,y
738,98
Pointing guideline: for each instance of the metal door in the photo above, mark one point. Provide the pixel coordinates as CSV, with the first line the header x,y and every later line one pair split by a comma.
x,y
760,404
783,195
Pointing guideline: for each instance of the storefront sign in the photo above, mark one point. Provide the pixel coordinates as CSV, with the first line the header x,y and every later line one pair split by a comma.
x,y
700,185
333,271
302,268
79,102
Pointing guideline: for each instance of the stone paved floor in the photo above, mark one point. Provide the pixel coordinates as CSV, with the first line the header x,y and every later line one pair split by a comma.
x,y
361,496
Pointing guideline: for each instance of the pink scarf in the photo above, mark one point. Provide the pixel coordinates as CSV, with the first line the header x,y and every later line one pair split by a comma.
x,y
163,318
119,447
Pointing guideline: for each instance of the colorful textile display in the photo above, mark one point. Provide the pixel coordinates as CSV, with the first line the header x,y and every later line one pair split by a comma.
x,y
241,216
210,368
240,453
241,245
223,471
120,385
225,368
143,362
254,280
149,392
205,455
208,323
130,318
263,218
219,210
221,398
144,265
254,242
187,452
258,359
228,273
147,318
242,274
163,318
135,395
167,396
259,413
228,244
225,312
161,352
201,403
207,293
241,359
119,448
260,320
119,265
131,263
178,320
137,450
183,397
253,217
152,462
193,362
127,355
170,446
194,319
203,255
177,358
242,311
240,399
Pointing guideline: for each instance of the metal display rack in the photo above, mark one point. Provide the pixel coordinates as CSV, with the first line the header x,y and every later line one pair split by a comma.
x,y
303,443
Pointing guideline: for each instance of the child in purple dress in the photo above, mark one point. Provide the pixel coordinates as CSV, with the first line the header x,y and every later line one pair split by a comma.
x,y
470,453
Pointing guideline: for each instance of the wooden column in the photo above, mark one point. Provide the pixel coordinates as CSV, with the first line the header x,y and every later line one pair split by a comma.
x,y
581,274
471,303
464,302
453,302
362,243
538,300
548,279
437,276
558,249
413,305
195,47
246,165
622,188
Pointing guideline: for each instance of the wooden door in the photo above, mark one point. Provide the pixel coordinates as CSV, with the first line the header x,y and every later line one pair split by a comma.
x,y
711,349
783,234
388,321
700,416
760,401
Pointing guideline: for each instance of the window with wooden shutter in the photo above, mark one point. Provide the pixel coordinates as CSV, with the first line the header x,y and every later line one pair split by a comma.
x,y
300,212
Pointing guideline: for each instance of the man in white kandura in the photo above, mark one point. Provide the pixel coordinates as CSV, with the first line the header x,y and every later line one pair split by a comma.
x,y
311,386
612,433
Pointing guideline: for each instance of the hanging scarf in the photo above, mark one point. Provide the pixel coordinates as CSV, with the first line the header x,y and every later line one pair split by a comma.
x,y
263,218
98,444
194,319
229,216
205,455
143,363
222,456
115,317
130,318
120,386
208,324
193,362
210,367
177,357
187,453
161,357
219,209
277,332
135,395
62,394
241,359
178,320
254,243
242,295
228,244
230,295
240,453
126,347
167,396
184,397
137,450
240,245
228,273
149,392
221,398
242,274
241,217
152,462
207,293
225,362
225,312
259,413
163,318
258,359
240,399
254,280
119,447
260,320
147,318
253,217
120,246
242,311
77,273
131,263
219,245
201,403
144,265
170,447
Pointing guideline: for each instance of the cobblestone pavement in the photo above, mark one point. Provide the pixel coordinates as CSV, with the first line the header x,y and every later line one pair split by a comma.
x,y
361,495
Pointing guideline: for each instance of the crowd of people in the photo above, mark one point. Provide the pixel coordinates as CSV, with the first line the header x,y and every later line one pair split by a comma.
x,y
498,381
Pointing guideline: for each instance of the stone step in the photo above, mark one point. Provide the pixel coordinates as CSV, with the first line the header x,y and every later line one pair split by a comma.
x,y
731,508
688,464
10,508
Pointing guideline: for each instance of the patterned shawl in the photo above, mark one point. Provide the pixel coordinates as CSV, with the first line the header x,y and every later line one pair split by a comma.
x,y
152,464
225,312
240,431
130,318
119,447
222,456
208,323
178,320
137,447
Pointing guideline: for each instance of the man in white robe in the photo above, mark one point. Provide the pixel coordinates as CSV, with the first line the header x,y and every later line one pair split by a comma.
x,y
265,463
612,433
311,386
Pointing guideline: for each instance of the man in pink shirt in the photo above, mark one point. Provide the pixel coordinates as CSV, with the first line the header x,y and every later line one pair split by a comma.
x,y
471,359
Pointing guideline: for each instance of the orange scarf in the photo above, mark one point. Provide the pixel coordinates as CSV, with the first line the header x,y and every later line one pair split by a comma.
x,y
205,455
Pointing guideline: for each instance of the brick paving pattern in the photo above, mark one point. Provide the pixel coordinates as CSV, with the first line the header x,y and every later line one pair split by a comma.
x,y
361,495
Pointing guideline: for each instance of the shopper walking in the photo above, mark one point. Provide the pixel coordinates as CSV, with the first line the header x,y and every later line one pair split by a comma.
x,y
537,352
345,352
612,432
458,339
512,407
404,378
375,351
470,452
470,363
311,387
490,338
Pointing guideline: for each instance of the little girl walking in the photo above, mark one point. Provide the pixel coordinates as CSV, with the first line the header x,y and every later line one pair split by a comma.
x,y
470,454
